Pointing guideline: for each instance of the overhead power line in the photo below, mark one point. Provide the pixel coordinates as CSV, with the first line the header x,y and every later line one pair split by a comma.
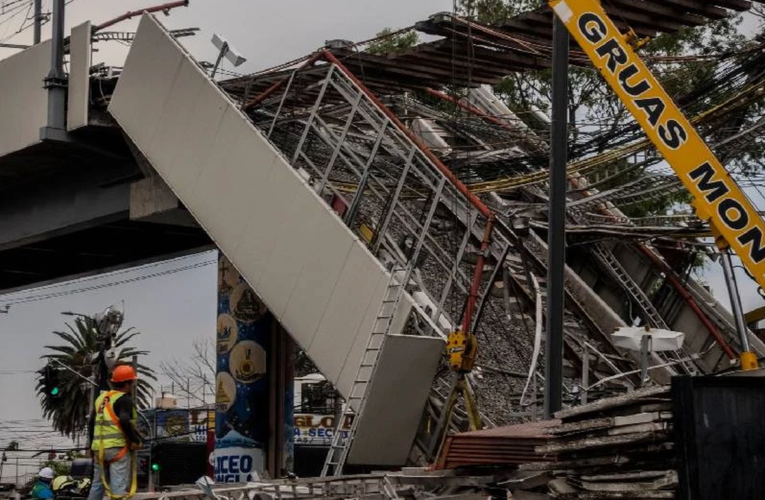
x,y
7,303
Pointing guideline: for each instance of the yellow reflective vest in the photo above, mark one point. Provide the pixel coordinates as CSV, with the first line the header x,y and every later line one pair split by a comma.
x,y
107,432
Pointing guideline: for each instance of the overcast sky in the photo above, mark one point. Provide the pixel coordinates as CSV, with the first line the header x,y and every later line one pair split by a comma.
x,y
173,310
267,33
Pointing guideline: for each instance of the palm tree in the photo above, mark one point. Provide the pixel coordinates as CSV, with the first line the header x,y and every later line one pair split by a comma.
x,y
69,410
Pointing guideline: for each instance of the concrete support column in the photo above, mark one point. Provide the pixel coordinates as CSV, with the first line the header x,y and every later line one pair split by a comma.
x,y
244,333
281,360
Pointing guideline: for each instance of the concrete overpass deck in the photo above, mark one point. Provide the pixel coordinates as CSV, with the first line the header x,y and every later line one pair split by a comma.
x,y
77,206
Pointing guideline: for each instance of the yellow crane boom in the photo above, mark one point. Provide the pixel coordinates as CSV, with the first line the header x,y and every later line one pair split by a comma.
x,y
717,197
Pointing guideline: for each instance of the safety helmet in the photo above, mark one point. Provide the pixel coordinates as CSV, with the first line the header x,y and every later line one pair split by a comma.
x,y
83,484
46,473
123,373
62,482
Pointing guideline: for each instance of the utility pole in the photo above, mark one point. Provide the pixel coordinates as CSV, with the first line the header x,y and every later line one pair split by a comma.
x,y
556,237
38,21
55,82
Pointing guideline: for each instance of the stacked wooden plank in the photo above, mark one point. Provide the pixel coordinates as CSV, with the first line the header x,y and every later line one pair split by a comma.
x,y
614,448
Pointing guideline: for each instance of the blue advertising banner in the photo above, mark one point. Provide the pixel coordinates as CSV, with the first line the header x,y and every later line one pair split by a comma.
x,y
241,422
176,424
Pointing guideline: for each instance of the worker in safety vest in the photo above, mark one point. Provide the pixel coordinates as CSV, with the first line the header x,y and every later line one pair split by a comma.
x,y
42,489
114,436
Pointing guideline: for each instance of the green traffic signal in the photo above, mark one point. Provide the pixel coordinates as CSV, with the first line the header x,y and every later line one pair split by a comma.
x,y
51,379
155,467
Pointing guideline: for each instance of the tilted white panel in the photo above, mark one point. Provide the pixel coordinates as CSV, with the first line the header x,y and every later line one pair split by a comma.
x,y
292,244
319,273
23,100
337,330
310,270
274,197
185,104
231,181
142,93
319,280
357,353
187,139
78,95
396,400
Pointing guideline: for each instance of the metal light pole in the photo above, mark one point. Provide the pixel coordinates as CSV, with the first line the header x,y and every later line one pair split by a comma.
x,y
222,53
38,21
556,237
225,50
55,82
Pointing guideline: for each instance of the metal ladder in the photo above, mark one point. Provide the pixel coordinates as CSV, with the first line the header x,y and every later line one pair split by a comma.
x,y
628,284
636,293
357,397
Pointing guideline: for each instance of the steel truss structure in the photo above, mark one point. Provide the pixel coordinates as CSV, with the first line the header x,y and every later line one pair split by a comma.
x,y
418,219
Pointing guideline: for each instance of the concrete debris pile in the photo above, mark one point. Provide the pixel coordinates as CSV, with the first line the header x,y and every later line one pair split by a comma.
x,y
615,448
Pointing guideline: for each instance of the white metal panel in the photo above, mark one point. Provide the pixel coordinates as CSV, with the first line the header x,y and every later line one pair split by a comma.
x,y
171,145
23,100
345,311
142,92
356,354
397,396
273,197
292,244
79,77
319,274
246,164
232,179
188,140
309,269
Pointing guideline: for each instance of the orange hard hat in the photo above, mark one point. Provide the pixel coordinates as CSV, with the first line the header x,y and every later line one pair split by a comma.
x,y
123,373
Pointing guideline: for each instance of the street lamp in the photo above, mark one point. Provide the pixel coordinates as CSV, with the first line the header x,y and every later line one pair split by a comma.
x,y
108,323
647,340
225,50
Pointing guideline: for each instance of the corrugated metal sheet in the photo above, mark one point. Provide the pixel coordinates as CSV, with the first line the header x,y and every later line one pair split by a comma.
x,y
510,445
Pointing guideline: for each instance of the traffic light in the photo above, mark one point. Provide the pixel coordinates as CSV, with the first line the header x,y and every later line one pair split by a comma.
x,y
52,381
157,459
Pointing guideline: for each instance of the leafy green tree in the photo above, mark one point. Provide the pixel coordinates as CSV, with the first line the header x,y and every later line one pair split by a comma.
x,y
60,468
591,102
391,42
495,11
69,410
